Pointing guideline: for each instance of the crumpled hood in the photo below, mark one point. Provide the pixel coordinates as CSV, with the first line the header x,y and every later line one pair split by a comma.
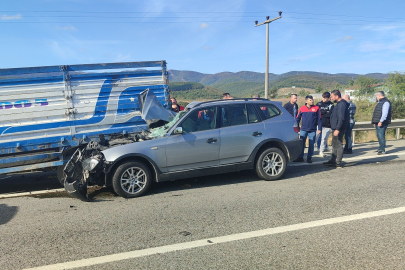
x,y
152,110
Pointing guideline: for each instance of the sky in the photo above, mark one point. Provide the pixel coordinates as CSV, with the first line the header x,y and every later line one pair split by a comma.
x,y
210,36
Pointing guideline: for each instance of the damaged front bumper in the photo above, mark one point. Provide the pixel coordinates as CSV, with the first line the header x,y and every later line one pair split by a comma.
x,y
86,167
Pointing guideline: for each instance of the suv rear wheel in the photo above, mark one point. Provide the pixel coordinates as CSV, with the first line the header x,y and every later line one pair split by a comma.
x,y
271,164
132,179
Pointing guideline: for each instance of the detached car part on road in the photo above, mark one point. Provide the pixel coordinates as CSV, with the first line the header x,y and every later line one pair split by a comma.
x,y
207,138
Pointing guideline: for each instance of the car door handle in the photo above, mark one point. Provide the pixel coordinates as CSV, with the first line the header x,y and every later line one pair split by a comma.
x,y
256,133
211,140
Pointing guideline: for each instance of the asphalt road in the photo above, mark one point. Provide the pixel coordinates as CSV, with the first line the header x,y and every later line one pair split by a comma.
x,y
307,220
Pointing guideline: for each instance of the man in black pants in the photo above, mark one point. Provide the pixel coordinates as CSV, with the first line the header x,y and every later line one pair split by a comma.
x,y
339,122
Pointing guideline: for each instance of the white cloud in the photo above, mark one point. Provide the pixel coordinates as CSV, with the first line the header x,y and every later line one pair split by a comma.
x,y
381,28
66,28
9,18
204,25
345,39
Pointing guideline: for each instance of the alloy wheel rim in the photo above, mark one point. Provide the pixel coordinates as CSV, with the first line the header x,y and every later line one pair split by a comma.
x,y
133,180
272,164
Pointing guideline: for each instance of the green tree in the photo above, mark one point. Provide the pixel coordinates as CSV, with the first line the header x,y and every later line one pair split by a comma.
x,y
303,93
395,84
273,92
366,85
351,82
319,88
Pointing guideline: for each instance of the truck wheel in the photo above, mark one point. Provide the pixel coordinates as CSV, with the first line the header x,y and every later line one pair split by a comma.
x,y
271,164
60,174
132,179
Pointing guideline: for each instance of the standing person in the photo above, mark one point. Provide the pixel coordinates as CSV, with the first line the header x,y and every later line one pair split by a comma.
x,y
311,118
348,132
292,106
381,119
326,107
339,122
176,107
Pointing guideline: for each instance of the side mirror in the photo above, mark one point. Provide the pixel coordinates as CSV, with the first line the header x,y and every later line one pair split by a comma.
x,y
178,130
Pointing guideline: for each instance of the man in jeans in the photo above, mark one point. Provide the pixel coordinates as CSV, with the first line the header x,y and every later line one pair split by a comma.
x,y
326,108
381,119
311,118
339,122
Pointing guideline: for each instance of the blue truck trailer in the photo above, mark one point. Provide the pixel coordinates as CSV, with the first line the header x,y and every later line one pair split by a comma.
x,y
46,113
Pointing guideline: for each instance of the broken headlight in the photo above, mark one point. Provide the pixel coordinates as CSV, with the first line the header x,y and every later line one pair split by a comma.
x,y
89,164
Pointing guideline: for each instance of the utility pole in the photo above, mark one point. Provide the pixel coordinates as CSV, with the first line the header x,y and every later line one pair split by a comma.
x,y
266,80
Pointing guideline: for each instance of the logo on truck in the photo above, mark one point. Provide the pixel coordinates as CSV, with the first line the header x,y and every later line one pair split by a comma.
x,y
4,105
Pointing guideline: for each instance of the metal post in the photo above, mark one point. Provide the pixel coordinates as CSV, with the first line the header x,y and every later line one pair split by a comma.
x,y
266,75
398,133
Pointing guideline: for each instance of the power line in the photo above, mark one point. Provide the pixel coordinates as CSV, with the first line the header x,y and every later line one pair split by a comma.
x,y
196,12
202,21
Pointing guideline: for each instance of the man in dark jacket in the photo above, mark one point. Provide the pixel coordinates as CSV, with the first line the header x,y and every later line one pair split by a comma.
x,y
311,118
326,107
339,122
292,106
381,119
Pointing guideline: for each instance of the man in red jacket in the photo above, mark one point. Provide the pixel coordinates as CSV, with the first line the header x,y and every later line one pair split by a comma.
x,y
311,118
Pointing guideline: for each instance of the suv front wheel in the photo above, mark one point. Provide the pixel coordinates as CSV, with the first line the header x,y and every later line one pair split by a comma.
x,y
271,164
132,179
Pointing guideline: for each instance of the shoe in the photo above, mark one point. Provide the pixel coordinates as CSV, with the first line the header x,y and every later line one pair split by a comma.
x,y
309,160
347,151
338,166
298,159
329,163
380,152
321,154
326,149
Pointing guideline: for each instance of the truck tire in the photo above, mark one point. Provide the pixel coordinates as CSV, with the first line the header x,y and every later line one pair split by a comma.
x,y
61,175
271,164
132,179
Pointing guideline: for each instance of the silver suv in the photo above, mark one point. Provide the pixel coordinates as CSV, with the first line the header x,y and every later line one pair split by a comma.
x,y
207,138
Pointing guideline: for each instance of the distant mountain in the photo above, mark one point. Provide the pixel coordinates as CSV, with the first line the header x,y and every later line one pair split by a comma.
x,y
247,83
227,77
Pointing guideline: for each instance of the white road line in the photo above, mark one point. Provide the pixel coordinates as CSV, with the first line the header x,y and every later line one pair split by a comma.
x,y
215,240
31,193
347,159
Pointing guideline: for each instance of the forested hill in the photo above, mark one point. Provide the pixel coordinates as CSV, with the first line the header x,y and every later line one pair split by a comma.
x,y
247,83
229,77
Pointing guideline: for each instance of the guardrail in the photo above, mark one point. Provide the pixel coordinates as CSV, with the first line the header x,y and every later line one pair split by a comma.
x,y
360,126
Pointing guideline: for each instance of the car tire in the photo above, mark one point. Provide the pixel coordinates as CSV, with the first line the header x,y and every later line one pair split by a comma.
x,y
271,164
132,179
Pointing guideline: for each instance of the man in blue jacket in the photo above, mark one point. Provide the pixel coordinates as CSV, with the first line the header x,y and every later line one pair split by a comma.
x,y
311,118
339,122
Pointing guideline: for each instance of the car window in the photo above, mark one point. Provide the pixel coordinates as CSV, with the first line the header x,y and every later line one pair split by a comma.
x,y
234,115
268,110
252,115
200,119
